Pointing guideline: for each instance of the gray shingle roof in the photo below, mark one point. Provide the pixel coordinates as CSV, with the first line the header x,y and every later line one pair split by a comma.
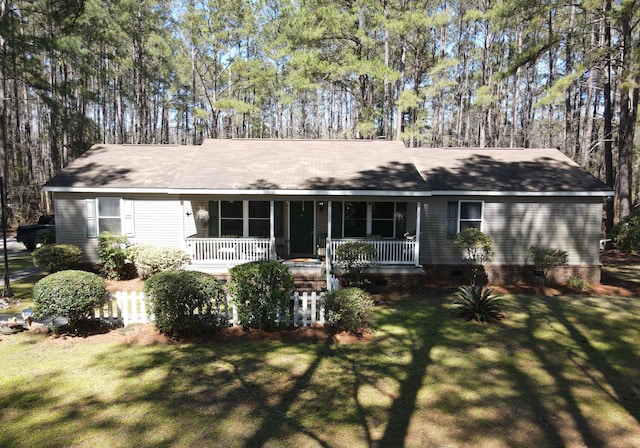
x,y
322,165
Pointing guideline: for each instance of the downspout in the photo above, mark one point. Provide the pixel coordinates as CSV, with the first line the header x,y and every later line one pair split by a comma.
x,y
416,255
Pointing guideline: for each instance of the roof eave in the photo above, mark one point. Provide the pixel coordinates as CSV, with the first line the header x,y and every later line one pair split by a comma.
x,y
235,192
523,193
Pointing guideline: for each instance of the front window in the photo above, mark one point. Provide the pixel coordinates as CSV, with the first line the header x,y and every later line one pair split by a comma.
x,y
109,214
355,219
259,222
470,215
231,222
383,219
109,217
245,218
371,219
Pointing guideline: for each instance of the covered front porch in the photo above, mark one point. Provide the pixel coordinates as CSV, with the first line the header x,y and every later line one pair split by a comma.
x,y
233,251
300,232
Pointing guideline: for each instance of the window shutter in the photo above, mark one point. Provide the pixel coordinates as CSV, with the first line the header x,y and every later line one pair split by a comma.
x,y
214,219
336,219
452,219
279,219
92,228
129,223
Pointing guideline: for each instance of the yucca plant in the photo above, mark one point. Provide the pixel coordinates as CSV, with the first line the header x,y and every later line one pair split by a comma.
x,y
477,303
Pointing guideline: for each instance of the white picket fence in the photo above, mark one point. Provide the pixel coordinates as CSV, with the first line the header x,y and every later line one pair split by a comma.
x,y
127,308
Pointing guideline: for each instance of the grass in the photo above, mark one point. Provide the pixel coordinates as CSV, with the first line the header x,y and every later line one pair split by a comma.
x,y
558,371
22,288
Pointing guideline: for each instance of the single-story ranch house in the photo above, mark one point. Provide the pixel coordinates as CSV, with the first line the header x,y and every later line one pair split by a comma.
x,y
228,201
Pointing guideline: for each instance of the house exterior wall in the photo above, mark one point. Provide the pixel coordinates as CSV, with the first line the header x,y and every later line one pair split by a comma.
x,y
157,220
514,224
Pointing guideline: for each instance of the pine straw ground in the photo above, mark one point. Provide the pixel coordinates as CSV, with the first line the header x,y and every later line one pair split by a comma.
x,y
618,274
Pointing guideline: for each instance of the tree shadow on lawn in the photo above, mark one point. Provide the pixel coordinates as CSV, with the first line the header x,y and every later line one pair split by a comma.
x,y
424,378
616,337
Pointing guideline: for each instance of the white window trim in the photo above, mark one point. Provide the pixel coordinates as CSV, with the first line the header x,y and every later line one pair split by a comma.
x,y
245,216
481,220
127,221
369,219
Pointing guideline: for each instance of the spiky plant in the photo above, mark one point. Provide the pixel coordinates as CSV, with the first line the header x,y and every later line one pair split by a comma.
x,y
477,303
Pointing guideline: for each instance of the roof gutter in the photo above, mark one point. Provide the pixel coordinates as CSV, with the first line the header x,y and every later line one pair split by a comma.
x,y
524,193
359,193
230,192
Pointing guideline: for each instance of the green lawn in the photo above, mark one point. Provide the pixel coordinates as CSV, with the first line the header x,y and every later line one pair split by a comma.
x,y
21,289
559,371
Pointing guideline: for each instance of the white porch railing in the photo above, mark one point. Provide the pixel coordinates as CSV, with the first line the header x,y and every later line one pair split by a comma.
x,y
127,308
228,250
388,252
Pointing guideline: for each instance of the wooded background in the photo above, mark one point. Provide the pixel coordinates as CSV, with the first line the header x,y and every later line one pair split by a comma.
x,y
480,73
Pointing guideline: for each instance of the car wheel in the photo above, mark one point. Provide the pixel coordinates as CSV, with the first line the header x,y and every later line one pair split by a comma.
x,y
30,246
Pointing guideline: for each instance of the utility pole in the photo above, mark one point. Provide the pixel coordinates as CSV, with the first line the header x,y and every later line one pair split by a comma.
x,y
6,292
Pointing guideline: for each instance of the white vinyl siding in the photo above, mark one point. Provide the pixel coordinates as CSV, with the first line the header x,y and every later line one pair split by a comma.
x,y
514,224
154,219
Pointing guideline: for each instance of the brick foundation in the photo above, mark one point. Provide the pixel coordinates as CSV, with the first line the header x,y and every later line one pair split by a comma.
x,y
509,274
413,280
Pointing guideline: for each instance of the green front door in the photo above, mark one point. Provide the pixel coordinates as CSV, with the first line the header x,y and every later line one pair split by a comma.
x,y
301,225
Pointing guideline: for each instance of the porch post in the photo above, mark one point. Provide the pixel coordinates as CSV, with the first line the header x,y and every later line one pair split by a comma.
x,y
416,255
183,241
327,260
272,231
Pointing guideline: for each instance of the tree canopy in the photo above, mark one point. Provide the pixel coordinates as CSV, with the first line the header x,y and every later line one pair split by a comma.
x,y
481,73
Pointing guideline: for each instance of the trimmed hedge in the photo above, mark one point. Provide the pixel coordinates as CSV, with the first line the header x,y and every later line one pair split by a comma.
x,y
71,293
348,309
185,303
150,259
57,257
261,291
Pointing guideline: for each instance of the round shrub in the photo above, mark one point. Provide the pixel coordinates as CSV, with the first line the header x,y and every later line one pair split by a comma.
x,y
185,303
73,294
348,309
149,259
57,257
261,291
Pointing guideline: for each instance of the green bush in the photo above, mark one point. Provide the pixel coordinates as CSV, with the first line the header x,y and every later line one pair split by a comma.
x,y
113,258
185,303
546,258
261,291
149,259
348,309
476,303
477,249
57,257
626,234
73,294
353,259
578,283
